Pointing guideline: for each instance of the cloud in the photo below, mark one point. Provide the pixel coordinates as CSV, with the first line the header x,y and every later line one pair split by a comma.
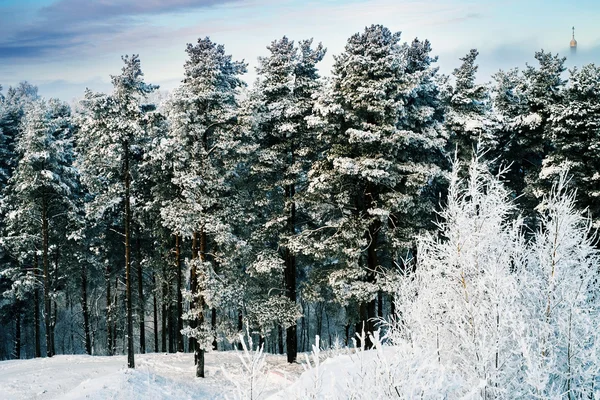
x,y
68,26
68,91
100,10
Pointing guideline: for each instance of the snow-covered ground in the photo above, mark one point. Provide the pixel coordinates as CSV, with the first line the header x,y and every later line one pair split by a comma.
x,y
157,376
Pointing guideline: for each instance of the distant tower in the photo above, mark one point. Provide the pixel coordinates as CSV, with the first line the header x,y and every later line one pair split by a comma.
x,y
573,43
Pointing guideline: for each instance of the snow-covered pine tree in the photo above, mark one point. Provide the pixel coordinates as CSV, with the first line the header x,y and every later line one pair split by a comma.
x,y
201,113
282,100
523,103
12,109
109,143
421,155
40,193
380,127
468,108
575,136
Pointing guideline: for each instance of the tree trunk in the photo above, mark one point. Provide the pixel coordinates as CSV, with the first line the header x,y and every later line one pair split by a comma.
x,y
171,323
127,222
280,339
141,300
47,304
53,284
319,316
213,324
155,313
36,311
52,326
240,327
17,351
307,335
109,313
115,315
199,307
84,308
368,310
290,279
302,328
193,288
179,295
163,313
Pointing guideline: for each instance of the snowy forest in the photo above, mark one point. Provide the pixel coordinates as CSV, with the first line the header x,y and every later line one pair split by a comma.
x,y
443,228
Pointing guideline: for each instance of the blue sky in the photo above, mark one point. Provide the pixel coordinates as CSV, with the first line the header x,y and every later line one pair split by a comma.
x,y
64,46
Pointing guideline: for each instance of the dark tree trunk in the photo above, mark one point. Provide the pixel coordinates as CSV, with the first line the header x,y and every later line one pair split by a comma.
x,y
328,327
179,295
213,324
54,304
368,310
347,326
45,262
72,330
52,325
155,313
36,311
199,307
392,306
127,222
171,322
115,316
240,327
380,304
141,300
280,339
319,318
163,313
307,327
109,314
86,313
291,337
193,288
17,351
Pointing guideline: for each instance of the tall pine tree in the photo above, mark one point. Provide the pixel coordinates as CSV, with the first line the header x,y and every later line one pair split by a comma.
x,y
201,115
575,135
110,145
380,126
468,110
280,104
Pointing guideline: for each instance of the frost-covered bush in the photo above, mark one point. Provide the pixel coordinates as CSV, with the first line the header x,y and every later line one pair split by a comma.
x,y
401,372
251,383
505,316
560,283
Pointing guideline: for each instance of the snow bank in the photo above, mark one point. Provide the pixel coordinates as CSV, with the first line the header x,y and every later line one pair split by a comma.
x,y
157,376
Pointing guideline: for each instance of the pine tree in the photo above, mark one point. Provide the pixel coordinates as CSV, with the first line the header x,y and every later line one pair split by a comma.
x,y
575,135
468,111
110,144
380,124
422,159
280,104
523,104
12,110
201,113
